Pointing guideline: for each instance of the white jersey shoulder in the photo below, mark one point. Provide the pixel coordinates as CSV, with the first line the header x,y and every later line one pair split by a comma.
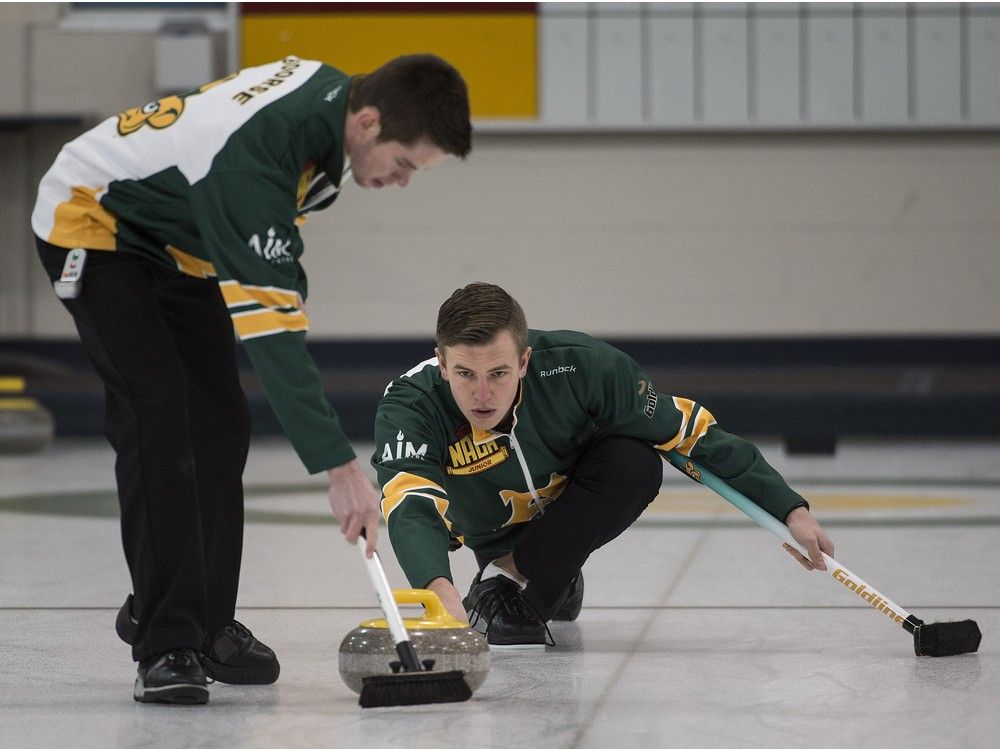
x,y
186,132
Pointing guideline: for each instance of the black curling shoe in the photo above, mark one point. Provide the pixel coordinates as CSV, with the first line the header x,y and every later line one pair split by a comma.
x,y
232,655
570,609
496,608
172,677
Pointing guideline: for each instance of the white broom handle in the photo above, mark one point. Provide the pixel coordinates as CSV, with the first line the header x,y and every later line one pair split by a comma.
x,y
381,584
766,521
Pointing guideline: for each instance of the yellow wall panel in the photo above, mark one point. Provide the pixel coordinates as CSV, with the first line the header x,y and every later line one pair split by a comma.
x,y
496,53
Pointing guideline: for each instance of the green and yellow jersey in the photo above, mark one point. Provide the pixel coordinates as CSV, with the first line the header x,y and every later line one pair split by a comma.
x,y
215,183
442,479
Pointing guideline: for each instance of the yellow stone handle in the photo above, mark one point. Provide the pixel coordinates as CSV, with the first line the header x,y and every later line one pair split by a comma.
x,y
434,614
433,608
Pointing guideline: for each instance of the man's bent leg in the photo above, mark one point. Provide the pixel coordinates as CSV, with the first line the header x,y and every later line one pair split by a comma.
x,y
612,483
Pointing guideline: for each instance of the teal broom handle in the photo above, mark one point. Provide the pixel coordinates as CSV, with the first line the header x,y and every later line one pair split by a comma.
x,y
760,516
766,521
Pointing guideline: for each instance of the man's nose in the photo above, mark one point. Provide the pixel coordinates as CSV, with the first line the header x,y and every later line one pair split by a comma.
x,y
482,392
403,179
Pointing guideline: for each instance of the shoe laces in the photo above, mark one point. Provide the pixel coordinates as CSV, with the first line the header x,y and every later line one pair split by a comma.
x,y
184,657
230,639
239,631
507,596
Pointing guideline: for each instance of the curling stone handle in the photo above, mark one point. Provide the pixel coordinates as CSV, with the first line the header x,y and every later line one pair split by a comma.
x,y
433,608
392,617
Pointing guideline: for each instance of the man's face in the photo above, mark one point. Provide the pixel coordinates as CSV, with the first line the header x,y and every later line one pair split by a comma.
x,y
378,164
484,378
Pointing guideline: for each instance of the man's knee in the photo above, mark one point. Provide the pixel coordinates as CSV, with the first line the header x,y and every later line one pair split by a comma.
x,y
633,466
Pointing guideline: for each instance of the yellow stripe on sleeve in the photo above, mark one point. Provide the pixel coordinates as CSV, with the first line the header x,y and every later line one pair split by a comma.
x,y
442,506
405,485
702,422
237,295
189,264
685,406
305,180
256,323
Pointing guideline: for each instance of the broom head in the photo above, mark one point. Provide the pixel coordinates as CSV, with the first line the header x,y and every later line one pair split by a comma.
x,y
946,638
413,688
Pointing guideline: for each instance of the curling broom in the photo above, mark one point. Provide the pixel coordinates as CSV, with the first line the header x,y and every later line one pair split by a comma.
x,y
413,682
929,639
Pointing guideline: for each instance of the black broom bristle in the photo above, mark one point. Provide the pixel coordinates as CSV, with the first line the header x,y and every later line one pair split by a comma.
x,y
946,638
413,688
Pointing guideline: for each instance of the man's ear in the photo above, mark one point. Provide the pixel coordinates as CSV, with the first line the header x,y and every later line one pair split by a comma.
x,y
369,121
524,362
441,362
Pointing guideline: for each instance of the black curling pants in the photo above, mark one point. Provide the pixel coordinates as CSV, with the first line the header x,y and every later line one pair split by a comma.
x,y
176,416
607,490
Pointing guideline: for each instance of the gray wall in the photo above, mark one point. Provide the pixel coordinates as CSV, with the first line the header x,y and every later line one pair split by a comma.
x,y
665,236
619,234
762,65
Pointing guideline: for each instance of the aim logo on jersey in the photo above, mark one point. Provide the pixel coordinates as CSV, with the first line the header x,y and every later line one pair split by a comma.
x,y
410,451
275,250
159,114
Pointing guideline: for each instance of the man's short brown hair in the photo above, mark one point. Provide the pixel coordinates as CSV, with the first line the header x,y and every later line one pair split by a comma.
x,y
417,96
476,313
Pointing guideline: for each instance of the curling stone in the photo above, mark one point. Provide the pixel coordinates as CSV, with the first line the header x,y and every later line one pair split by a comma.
x,y
452,644
25,425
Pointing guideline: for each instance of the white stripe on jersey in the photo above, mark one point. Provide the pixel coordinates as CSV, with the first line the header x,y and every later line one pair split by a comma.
x,y
413,371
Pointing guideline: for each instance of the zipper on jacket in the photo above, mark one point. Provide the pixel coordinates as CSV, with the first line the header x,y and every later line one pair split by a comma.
x,y
524,470
521,459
